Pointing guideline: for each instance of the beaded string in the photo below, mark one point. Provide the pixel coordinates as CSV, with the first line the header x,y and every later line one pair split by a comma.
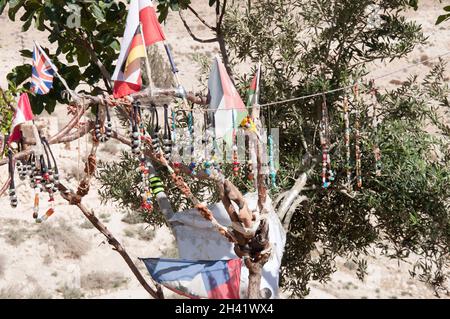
x,y
205,142
234,146
48,186
214,159
12,188
147,203
55,172
376,148
154,133
192,164
272,171
327,173
357,138
347,140
175,148
167,138
21,165
108,130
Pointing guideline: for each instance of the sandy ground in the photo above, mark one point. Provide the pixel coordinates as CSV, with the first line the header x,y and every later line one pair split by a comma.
x,y
52,260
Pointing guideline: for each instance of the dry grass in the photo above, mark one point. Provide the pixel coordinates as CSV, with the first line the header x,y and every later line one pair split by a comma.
x,y
140,233
170,252
86,225
39,293
133,218
64,239
70,293
15,237
146,234
103,280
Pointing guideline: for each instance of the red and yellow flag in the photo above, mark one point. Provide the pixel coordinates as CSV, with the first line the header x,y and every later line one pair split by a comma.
x,y
127,75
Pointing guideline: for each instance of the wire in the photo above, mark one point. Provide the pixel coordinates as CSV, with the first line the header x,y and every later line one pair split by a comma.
x,y
304,97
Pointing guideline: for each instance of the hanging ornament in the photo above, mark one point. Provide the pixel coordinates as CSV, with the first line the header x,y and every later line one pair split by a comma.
x,y
103,137
357,137
347,141
167,138
54,170
176,160
205,143
234,146
376,148
272,171
147,203
12,188
154,130
192,164
156,184
327,172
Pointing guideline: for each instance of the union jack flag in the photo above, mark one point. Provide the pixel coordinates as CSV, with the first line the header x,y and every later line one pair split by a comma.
x,y
42,72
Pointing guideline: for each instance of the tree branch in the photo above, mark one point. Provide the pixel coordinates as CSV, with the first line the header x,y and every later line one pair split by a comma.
x,y
201,19
193,36
68,195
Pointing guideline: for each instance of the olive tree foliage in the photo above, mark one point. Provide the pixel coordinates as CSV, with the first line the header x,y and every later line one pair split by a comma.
x,y
86,34
311,46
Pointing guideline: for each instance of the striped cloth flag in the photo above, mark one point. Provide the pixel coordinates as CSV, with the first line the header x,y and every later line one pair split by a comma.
x,y
41,72
22,114
225,100
253,91
216,279
127,75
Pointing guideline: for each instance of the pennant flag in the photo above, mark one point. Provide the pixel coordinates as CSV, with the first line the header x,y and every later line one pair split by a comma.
x,y
23,114
216,279
225,99
127,75
42,72
253,91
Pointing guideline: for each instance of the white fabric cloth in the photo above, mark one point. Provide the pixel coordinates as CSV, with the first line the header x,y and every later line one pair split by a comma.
x,y
198,240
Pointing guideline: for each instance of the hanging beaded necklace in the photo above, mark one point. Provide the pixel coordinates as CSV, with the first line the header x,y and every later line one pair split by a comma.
x,y
327,173
167,138
103,137
347,141
175,147
234,146
376,148
12,187
357,138
192,164
154,130
272,171
205,141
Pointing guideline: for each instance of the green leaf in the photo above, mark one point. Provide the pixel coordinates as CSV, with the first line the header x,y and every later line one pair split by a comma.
x,y
14,6
414,4
19,74
2,6
83,57
26,53
97,12
27,24
442,18
163,12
